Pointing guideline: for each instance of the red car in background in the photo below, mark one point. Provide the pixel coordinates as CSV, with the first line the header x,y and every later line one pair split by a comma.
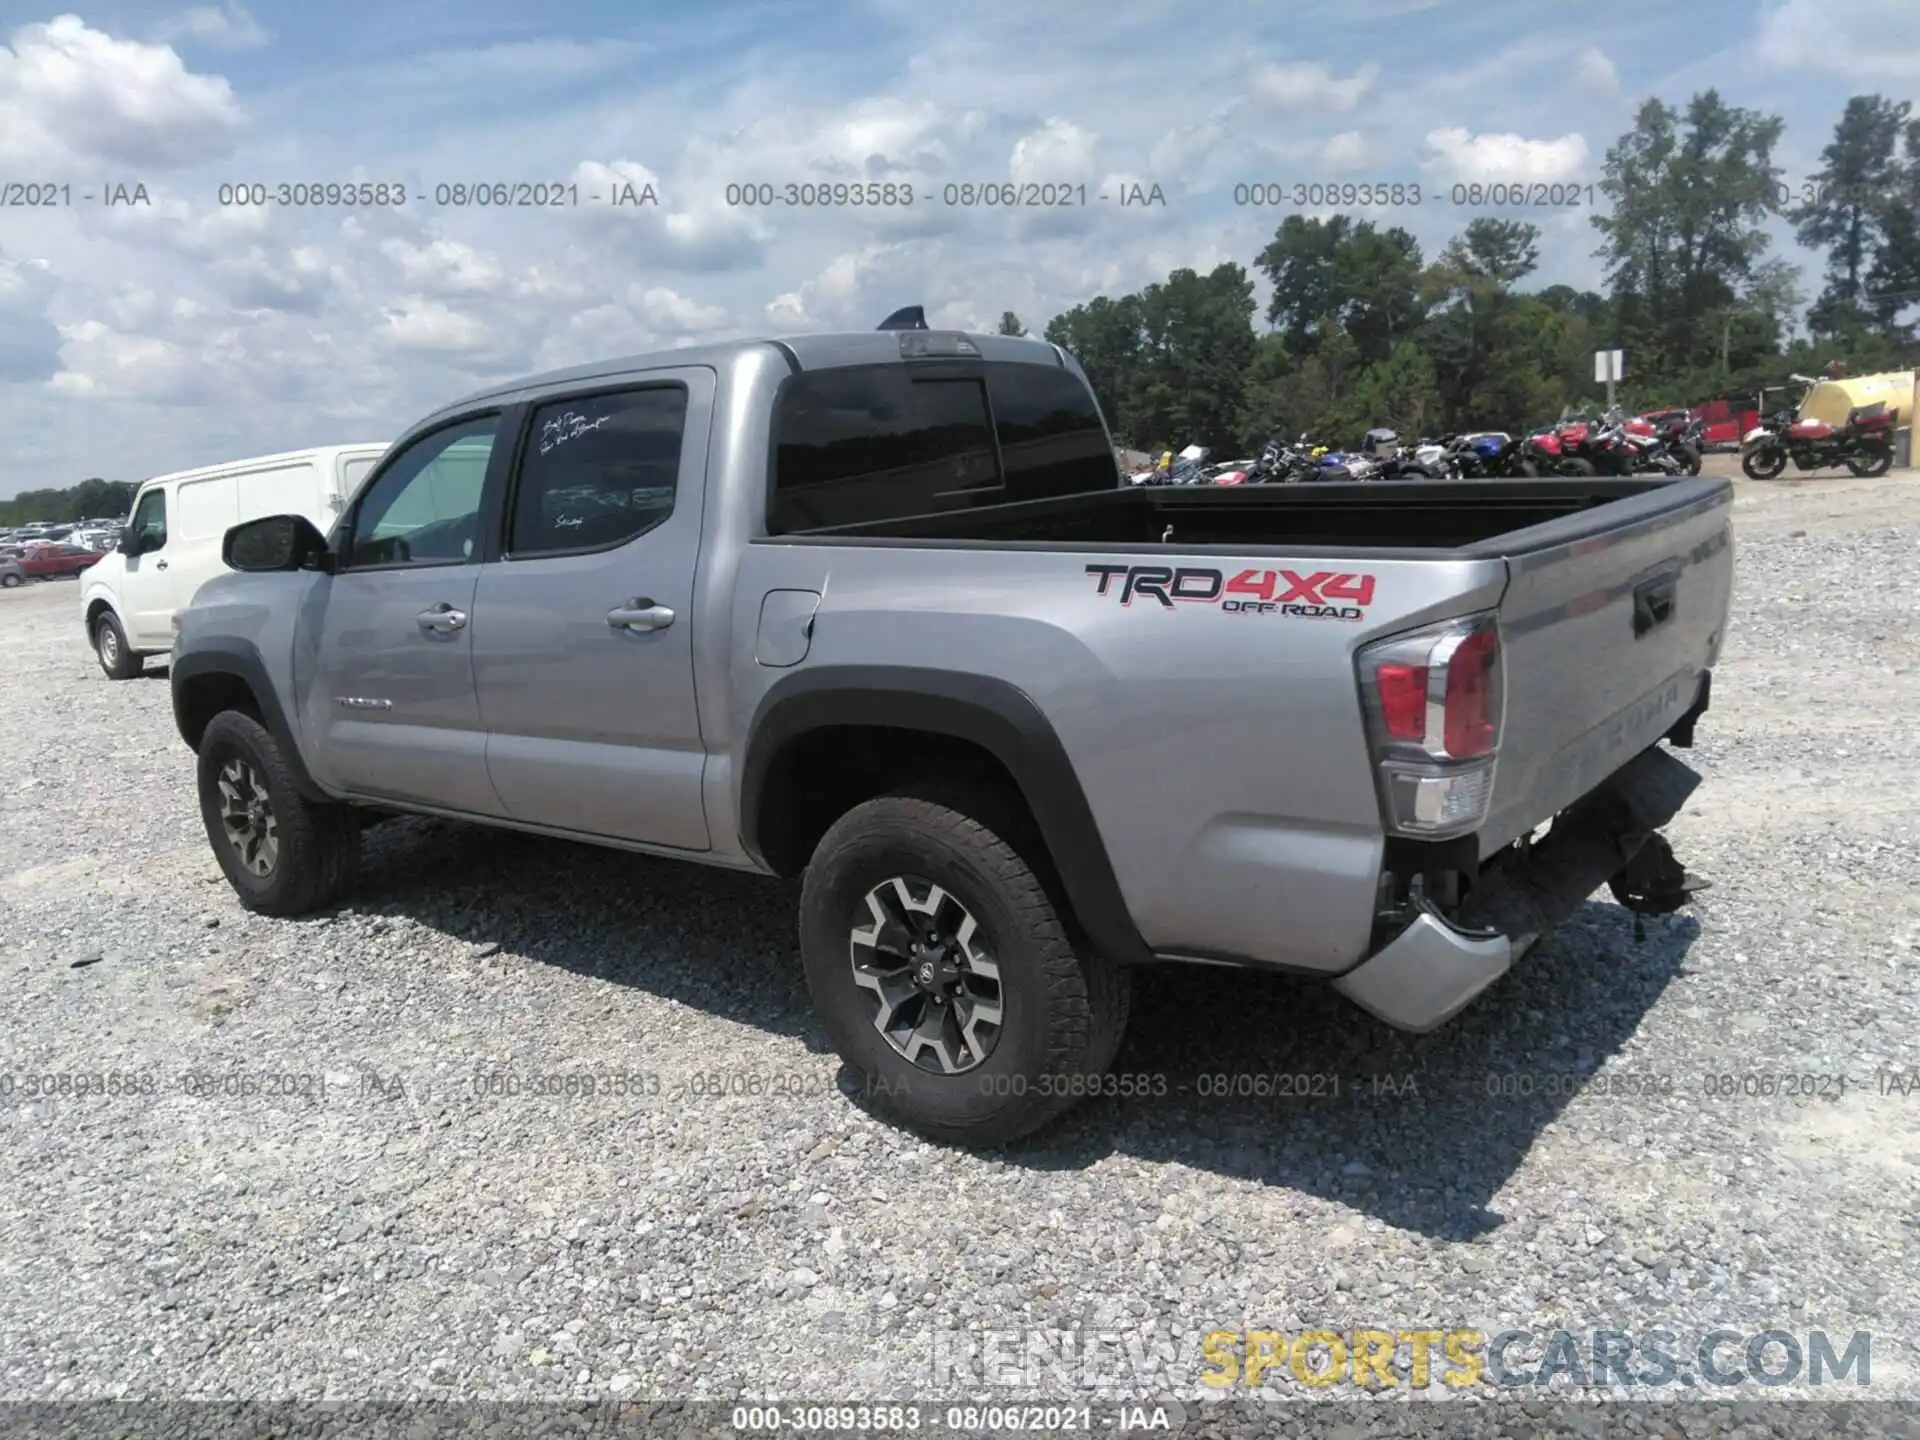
x,y
55,562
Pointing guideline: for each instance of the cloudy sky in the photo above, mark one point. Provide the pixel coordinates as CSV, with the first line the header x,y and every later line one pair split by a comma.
x,y
136,339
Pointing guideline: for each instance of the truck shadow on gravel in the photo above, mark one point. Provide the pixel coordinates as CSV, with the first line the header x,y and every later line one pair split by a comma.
x,y
1258,1077
1284,1082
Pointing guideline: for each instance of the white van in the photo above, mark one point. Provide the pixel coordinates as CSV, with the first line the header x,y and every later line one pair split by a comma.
x,y
171,544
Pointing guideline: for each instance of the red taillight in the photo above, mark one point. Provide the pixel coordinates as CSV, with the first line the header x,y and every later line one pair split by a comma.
x,y
1470,725
1436,692
1403,700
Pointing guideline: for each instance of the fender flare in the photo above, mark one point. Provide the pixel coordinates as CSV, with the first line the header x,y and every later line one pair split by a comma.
x,y
994,714
240,660
99,594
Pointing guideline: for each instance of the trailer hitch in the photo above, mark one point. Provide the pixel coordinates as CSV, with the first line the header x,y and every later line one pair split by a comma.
x,y
1654,882
1610,837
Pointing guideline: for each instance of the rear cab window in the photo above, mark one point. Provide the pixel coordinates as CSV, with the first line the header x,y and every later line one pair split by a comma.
x,y
889,441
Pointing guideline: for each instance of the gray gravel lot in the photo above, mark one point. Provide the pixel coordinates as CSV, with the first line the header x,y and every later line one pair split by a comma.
x,y
308,1194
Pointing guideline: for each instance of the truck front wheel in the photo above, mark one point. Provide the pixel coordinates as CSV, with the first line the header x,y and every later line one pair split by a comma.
x,y
946,978
282,853
110,647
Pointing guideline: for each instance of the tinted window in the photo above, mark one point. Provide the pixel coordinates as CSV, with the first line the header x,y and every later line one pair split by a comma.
x,y
874,443
149,520
1051,438
598,471
424,508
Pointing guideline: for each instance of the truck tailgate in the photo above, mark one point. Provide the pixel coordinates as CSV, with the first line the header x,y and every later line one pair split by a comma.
x,y
1609,621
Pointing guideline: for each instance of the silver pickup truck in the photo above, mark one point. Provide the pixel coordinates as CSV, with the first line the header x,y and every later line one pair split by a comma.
x,y
875,608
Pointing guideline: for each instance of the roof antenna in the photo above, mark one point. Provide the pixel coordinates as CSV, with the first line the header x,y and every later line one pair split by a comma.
x,y
911,317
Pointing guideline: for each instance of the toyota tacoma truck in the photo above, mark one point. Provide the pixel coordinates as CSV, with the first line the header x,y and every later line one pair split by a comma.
x,y
875,609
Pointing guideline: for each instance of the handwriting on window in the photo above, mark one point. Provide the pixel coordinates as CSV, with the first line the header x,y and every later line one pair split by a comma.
x,y
569,426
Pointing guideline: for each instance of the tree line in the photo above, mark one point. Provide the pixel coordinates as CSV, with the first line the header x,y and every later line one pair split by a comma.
x,y
89,500
1363,329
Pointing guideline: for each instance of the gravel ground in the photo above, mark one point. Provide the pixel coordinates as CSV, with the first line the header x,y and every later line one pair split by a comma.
x,y
371,1223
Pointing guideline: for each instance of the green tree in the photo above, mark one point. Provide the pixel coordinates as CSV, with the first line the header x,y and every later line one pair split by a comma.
x,y
1851,202
1365,280
1893,279
1691,192
1104,336
1010,324
92,498
1471,332
1196,343
1401,392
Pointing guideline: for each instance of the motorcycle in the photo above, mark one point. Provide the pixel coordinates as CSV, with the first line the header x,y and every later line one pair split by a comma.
x,y
1344,465
1284,463
1683,437
1545,453
1390,459
1491,455
1864,443
1632,446
1579,452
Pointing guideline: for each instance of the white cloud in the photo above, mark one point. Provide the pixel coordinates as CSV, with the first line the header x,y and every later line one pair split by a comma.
x,y
443,267
1305,85
29,343
1059,152
195,331
1346,151
72,93
419,323
1862,42
1461,155
671,312
1595,69
228,28
99,362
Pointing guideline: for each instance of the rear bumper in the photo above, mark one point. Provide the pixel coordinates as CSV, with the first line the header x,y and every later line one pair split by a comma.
x,y
1428,973
1436,966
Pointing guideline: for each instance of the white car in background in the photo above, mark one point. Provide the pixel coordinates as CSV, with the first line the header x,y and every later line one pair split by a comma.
x,y
170,545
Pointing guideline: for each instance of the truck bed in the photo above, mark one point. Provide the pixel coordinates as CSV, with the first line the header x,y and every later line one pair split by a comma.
x,y
1470,519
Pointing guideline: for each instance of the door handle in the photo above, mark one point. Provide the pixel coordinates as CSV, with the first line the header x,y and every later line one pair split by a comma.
x,y
159,564
442,619
640,615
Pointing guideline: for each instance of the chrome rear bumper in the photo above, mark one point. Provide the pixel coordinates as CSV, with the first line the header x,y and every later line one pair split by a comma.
x,y
1435,967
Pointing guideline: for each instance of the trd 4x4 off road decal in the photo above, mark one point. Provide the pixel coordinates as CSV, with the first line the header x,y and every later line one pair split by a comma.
x,y
1251,592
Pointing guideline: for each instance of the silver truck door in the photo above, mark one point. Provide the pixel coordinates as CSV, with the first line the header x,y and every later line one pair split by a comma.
x,y
583,622
391,704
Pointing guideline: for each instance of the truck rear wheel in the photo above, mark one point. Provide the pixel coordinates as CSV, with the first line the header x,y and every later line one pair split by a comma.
x,y
947,979
282,853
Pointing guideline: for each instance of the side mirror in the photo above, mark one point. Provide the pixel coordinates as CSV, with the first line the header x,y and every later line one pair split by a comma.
x,y
129,545
276,543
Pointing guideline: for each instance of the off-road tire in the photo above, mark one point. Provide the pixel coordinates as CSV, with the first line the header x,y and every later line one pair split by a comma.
x,y
1066,1004
319,844
117,658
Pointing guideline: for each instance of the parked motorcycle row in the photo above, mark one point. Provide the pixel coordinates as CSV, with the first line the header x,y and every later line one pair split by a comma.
x,y
1864,443
1615,444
